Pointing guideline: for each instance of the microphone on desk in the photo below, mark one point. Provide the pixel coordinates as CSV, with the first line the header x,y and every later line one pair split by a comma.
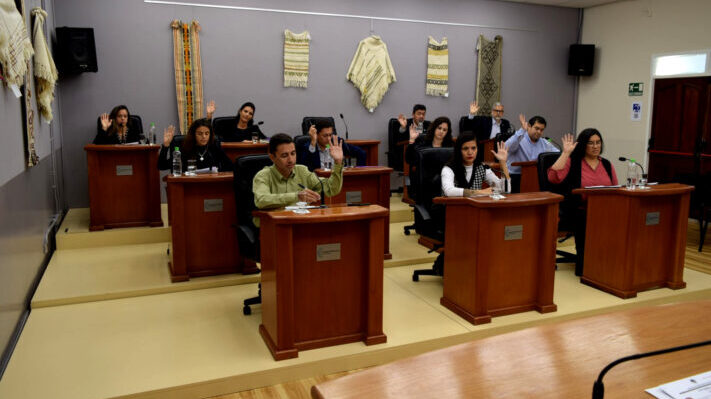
x,y
623,159
554,143
323,197
599,387
260,123
344,124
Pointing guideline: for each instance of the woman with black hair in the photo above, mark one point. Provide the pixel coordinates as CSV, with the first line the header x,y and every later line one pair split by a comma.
x,y
439,134
245,127
579,165
464,175
199,145
114,129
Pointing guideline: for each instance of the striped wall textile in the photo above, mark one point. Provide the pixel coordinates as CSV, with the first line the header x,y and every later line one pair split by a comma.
x,y
45,70
488,79
371,71
188,72
296,58
437,68
30,150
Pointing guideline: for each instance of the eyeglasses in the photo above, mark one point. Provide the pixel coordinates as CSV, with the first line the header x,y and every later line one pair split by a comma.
x,y
594,143
500,111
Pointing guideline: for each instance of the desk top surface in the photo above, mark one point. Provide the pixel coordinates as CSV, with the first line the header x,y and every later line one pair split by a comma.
x,y
121,147
552,361
333,213
521,199
358,170
655,190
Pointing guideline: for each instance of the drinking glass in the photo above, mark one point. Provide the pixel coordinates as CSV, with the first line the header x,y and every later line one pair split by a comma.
x,y
643,181
192,166
255,137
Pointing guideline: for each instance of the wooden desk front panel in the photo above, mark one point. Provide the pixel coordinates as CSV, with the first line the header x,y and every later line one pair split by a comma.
x,y
371,150
127,200
234,150
529,176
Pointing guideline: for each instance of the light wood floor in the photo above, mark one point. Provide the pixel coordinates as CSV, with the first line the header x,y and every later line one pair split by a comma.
x,y
301,389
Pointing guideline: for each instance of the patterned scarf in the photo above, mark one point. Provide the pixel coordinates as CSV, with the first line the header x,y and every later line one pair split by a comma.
x,y
371,71
188,72
488,79
296,58
45,70
437,68
15,46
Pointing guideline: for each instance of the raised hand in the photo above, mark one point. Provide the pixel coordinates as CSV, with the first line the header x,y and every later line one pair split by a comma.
x,y
336,150
502,152
313,134
210,109
308,196
524,122
105,121
168,134
569,143
402,120
473,108
413,133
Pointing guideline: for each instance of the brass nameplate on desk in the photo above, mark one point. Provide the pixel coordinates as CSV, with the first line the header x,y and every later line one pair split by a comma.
x,y
212,205
652,218
328,252
124,170
354,196
514,232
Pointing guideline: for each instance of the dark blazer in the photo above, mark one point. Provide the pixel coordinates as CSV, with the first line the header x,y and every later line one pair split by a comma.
x,y
214,156
481,126
406,134
313,161
236,134
102,137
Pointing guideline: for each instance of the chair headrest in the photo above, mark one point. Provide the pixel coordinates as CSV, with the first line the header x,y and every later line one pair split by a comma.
x,y
222,123
312,120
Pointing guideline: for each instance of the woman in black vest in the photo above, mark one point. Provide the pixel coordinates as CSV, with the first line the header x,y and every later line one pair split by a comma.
x,y
114,128
464,175
580,165
199,144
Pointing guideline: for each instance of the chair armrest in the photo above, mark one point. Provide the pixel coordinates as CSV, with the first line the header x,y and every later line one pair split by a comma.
x,y
423,212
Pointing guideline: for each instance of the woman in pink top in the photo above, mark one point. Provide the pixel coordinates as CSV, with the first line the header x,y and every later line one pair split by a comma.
x,y
580,165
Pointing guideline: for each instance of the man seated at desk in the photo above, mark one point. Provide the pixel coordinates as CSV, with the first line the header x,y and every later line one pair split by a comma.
x,y
286,183
526,145
316,152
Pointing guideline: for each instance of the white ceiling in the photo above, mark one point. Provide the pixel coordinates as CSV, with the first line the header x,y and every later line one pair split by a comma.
x,y
566,3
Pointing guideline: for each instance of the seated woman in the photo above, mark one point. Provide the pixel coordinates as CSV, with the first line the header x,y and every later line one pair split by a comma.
x,y
114,128
579,166
463,176
199,144
439,134
245,127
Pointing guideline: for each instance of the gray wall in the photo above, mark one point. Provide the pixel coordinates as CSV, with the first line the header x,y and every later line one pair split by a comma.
x,y
27,202
242,60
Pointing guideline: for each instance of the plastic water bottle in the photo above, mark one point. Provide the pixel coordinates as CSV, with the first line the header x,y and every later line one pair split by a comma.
x,y
177,164
151,136
632,174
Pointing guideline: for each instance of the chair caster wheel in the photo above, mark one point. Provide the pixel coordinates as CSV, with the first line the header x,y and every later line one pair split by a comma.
x,y
407,232
246,310
415,278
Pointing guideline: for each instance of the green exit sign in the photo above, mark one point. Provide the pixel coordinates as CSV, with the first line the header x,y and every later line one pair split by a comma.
x,y
636,89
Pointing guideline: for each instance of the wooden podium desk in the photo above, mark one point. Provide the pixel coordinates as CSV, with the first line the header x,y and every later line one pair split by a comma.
x,y
560,360
234,150
322,278
370,184
499,255
371,150
529,176
635,239
203,227
124,186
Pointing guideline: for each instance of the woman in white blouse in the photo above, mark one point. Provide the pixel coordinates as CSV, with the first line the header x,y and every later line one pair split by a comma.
x,y
463,175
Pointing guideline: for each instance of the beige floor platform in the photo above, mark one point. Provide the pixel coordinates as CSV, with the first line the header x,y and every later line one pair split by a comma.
x,y
197,343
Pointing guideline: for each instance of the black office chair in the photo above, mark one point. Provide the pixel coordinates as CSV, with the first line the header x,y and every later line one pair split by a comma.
x,y
223,124
429,217
312,120
394,152
246,167
135,124
700,200
566,217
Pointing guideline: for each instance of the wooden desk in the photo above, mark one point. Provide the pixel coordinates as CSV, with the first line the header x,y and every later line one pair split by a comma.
x,y
487,146
203,227
124,186
529,176
635,239
234,150
322,278
369,184
371,150
560,360
499,256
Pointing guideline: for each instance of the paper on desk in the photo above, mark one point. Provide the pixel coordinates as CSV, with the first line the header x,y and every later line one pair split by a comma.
x,y
694,387
204,171
613,186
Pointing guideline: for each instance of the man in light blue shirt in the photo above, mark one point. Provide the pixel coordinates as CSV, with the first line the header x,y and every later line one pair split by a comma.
x,y
525,145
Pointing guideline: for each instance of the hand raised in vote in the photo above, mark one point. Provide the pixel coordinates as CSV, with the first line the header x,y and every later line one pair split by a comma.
x,y
336,150
473,108
210,109
413,133
402,120
309,196
524,122
501,153
168,134
313,134
105,121
569,143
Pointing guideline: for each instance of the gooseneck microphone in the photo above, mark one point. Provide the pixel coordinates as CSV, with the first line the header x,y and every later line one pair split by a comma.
x,y
554,143
260,123
623,159
599,387
323,197
344,124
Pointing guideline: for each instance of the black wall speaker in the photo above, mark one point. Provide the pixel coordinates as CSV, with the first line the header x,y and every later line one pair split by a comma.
x,y
75,50
581,59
